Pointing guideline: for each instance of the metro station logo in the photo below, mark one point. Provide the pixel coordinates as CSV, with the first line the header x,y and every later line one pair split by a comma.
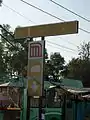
x,y
35,50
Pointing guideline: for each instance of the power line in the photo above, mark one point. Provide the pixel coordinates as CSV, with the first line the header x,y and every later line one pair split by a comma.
x,y
60,48
69,42
70,11
34,22
24,17
30,20
50,14
84,30
6,31
18,13
72,50
7,40
42,10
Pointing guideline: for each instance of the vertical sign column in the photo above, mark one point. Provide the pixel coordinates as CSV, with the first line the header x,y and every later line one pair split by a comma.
x,y
35,68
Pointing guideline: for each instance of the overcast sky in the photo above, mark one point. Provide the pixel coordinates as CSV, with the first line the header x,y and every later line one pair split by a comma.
x,y
82,7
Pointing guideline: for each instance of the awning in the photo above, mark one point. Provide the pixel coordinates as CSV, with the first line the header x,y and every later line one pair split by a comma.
x,y
75,90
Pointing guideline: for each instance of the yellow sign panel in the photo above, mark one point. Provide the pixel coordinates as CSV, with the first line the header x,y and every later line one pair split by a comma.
x,y
47,30
35,68
35,79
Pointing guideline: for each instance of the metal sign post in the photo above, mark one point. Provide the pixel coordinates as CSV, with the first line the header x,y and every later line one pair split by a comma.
x,y
36,71
35,68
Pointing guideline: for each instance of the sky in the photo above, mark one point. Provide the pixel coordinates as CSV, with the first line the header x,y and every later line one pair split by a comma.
x,y
34,17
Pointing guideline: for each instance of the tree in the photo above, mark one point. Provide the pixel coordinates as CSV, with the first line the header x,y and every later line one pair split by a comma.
x,y
84,51
2,63
46,54
15,55
55,65
75,68
1,2
79,68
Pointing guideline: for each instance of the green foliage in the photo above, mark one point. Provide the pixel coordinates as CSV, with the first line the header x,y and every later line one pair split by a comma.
x,y
45,53
54,66
13,57
84,51
79,68
13,60
2,63
1,2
